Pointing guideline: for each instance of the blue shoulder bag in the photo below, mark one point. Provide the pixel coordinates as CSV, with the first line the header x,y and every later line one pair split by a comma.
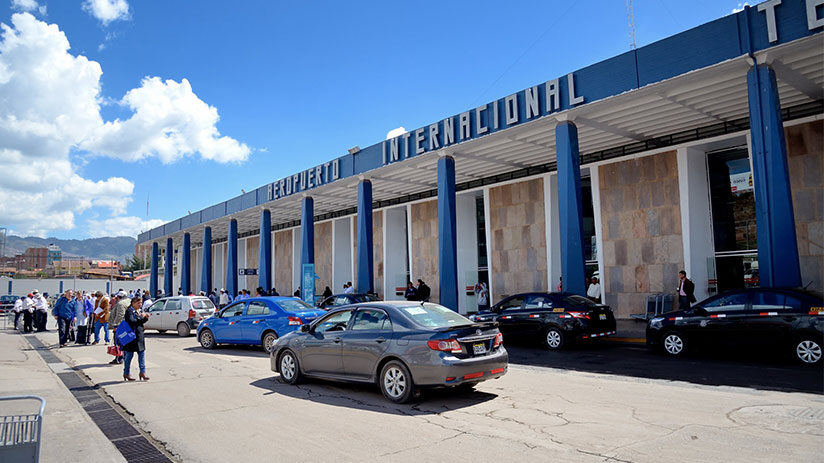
x,y
124,333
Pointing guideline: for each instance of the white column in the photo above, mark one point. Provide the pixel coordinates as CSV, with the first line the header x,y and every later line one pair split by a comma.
x,y
274,264
599,237
218,270
467,232
394,252
196,272
553,231
296,244
341,253
696,217
488,233
241,262
409,241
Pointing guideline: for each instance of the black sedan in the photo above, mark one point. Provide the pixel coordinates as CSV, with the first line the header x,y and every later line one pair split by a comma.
x,y
340,300
7,303
557,319
756,317
399,345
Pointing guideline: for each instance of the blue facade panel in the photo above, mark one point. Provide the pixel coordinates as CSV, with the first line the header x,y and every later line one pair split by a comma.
x,y
248,200
590,81
234,205
261,195
190,220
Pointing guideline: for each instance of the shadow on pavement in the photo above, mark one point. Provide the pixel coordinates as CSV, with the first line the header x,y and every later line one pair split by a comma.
x,y
369,397
230,349
758,370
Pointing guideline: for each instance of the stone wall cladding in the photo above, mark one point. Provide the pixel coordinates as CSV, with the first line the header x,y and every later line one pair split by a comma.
x,y
518,233
283,262
805,153
425,245
377,254
641,217
252,258
323,256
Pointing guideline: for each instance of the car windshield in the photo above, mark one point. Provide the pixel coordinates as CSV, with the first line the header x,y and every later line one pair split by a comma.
x,y
579,301
202,304
434,315
294,305
366,298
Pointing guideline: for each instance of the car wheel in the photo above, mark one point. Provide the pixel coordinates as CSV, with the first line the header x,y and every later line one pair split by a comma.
x,y
183,330
268,341
289,368
207,339
396,382
554,339
673,343
808,350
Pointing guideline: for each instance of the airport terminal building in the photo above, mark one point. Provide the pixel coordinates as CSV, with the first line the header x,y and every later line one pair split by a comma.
x,y
703,151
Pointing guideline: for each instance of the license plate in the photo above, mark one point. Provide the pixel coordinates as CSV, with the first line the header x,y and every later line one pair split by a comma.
x,y
479,348
602,317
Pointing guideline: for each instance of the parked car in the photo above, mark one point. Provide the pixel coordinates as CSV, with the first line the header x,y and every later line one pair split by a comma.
x,y
257,321
7,302
181,313
400,345
555,319
788,319
339,300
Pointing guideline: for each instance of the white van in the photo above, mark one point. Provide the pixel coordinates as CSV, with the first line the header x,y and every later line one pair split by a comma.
x,y
181,313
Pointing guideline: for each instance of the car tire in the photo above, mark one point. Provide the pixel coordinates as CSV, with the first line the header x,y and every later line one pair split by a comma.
x,y
268,341
207,339
554,338
396,383
183,330
808,350
673,343
289,368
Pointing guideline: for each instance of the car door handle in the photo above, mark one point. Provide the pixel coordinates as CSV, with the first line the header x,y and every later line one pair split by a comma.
x,y
336,340
380,340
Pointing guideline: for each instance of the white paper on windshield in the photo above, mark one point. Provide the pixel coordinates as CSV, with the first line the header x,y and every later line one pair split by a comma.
x,y
414,310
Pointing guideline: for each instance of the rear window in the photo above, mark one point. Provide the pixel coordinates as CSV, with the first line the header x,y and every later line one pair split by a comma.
x,y
434,315
367,298
579,301
202,304
294,305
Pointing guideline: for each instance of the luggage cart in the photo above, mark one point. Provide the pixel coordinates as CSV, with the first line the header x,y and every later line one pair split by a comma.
x,y
655,304
20,434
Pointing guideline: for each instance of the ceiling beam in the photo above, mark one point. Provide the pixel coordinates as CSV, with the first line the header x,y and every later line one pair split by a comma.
x,y
797,81
609,129
693,108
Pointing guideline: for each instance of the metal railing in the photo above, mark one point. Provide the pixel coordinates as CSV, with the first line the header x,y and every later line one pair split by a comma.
x,y
20,435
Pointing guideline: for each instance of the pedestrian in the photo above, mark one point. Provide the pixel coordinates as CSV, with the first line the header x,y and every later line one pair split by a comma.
x,y
224,298
135,318
64,313
594,290
214,298
28,313
686,291
560,286
410,293
116,316
423,291
18,312
81,319
259,292
327,292
147,301
41,311
101,317
297,293
274,292
483,297
348,288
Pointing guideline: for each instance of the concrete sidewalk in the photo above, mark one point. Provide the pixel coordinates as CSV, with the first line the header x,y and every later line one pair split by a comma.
x,y
68,432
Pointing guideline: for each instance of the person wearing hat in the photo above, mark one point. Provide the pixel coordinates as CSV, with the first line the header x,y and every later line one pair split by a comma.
x,y
28,313
224,298
41,311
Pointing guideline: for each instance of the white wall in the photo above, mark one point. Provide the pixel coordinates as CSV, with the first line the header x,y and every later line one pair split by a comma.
x,y
241,262
696,216
395,256
21,287
467,233
341,253
553,230
218,269
297,243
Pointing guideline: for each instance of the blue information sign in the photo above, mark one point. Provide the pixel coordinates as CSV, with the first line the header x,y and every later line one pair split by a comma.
x,y
307,287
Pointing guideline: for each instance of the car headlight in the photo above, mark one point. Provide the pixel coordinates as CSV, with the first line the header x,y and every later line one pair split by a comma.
x,y
656,321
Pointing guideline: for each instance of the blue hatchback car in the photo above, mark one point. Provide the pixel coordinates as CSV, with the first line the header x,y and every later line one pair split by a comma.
x,y
257,321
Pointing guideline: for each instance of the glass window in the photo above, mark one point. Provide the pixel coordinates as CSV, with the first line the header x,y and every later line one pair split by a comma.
x,y
371,320
539,302
173,304
341,300
157,306
202,304
434,316
366,298
257,308
792,302
234,310
580,301
765,301
511,304
294,305
726,302
334,322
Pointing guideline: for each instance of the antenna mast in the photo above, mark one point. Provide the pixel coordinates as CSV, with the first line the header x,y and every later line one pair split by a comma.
x,y
631,23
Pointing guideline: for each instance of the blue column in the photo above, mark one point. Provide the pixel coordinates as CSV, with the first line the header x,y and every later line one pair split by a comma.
x,y
569,207
61,286
185,282
307,231
167,272
231,259
778,264
153,277
365,281
206,270
265,257
447,234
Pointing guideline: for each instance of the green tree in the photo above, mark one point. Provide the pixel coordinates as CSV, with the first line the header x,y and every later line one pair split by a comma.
x,y
135,263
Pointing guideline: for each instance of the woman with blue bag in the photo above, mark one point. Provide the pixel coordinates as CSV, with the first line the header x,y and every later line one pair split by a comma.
x,y
134,320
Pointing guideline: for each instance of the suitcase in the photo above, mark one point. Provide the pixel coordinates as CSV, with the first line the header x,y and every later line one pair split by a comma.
x,y
83,334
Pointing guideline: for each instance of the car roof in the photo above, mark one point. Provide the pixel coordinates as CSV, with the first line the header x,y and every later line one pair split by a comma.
x,y
352,294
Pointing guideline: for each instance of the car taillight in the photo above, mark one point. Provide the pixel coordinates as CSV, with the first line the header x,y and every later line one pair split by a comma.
x,y
499,339
295,321
192,313
445,345
579,314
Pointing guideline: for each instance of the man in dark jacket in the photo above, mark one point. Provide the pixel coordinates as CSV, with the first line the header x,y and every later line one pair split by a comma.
x,y
423,292
686,291
64,311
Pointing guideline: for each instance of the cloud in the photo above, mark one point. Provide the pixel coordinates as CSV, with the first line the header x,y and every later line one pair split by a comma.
x,y
107,11
122,226
740,7
395,132
50,124
28,5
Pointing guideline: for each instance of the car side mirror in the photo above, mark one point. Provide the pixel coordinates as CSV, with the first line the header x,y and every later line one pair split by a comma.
x,y
305,328
700,311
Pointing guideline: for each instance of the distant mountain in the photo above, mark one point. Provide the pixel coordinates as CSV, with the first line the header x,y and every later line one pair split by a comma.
x,y
117,248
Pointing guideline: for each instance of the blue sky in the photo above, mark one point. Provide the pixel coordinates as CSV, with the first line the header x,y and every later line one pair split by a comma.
x,y
299,83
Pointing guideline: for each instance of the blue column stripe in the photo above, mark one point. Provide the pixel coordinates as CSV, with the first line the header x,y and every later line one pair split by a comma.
x,y
447,235
185,282
307,231
265,257
167,271
231,259
778,260
206,264
153,277
569,208
365,281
